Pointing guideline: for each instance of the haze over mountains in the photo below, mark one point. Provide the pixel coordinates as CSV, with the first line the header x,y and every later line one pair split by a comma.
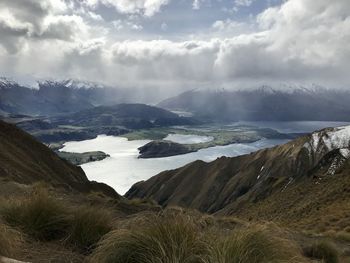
x,y
264,104
67,96
257,104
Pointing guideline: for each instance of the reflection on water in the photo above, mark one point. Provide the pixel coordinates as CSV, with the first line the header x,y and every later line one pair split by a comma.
x,y
188,139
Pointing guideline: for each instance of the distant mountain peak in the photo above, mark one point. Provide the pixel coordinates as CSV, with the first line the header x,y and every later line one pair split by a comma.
x,y
71,84
328,140
7,82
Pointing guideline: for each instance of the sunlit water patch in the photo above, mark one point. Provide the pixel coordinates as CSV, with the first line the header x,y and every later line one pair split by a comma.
x,y
122,169
188,139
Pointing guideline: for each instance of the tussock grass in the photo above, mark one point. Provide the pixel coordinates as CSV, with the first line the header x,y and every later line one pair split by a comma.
x,y
40,216
161,240
9,240
45,218
174,237
87,225
343,236
324,250
256,244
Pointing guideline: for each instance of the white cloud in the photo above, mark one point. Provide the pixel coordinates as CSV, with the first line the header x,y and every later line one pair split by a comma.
x,y
230,27
196,4
145,7
301,40
243,2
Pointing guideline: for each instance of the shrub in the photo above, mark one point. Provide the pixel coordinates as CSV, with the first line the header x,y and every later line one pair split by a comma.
x,y
40,216
160,240
87,226
255,244
324,251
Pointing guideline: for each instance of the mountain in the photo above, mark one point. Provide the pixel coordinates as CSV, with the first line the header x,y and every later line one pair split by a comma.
x,y
27,161
132,116
306,178
55,97
264,104
87,124
49,99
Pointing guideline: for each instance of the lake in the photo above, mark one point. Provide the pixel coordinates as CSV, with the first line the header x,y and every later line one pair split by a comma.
x,y
122,169
188,139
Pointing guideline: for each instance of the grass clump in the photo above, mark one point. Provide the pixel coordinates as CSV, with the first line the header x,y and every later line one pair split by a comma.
x,y
45,218
324,251
255,244
160,240
9,240
87,226
40,216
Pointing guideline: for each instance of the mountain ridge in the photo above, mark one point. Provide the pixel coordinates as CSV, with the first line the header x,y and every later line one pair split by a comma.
x,y
230,185
25,160
262,104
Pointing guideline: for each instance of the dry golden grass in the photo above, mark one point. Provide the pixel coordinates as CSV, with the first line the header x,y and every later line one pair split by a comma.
x,y
173,237
256,244
87,225
45,218
10,239
40,216
160,240
324,251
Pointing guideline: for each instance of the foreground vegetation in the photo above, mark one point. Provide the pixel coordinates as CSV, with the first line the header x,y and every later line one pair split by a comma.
x,y
95,232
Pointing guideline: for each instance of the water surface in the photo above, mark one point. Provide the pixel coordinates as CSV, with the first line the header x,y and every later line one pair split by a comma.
x,y
122,169
188,138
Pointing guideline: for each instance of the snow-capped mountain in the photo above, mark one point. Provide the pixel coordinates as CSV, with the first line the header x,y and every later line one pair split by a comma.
x,y
265,103
52,97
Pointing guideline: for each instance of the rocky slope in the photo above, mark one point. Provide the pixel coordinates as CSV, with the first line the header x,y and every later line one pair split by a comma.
x,y
288,176
27,161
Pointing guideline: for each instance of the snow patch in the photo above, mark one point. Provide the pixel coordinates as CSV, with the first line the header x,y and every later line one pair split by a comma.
x,y
345,153
291,179
338,138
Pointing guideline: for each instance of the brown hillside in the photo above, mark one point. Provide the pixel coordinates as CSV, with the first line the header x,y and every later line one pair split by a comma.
x,y
292,181
25,160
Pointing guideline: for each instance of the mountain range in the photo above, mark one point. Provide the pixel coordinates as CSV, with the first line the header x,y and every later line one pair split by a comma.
x,y
264,104
54,97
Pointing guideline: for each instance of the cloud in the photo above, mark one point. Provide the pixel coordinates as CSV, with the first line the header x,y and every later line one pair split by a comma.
x,y
243,2
299,41
147,8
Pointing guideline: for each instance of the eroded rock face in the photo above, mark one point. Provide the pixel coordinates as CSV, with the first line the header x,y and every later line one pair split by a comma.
x,y
239,181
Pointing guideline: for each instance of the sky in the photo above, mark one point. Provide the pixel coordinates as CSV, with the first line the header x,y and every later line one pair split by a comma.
x,y
177,43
